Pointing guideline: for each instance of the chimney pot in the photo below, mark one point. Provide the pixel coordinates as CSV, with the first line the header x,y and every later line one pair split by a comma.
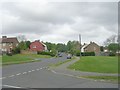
x,y
4,36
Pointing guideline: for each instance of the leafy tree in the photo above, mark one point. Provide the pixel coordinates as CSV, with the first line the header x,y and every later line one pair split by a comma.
x,y
101,48
22,45
28,44
114,47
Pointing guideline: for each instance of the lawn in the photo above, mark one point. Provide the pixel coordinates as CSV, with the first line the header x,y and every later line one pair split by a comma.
x,y
101,64
21,58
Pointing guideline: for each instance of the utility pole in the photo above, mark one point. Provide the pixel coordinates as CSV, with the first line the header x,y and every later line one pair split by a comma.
x,y
80,44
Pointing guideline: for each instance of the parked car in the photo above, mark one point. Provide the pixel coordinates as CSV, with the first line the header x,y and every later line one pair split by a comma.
x,y
69,56
60,55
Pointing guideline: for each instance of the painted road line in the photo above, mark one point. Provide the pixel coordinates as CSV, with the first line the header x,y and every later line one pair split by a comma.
x,y
18,74
11,86
29,71
12,76
24,72
3,78
33,70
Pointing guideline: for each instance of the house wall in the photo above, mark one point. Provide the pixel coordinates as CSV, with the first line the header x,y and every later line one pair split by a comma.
x,y
92,47
37,46
8,46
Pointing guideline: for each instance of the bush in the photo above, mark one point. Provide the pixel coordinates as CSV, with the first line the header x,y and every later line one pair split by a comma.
x,y
46,53
16,50
111,54
85,53
9,53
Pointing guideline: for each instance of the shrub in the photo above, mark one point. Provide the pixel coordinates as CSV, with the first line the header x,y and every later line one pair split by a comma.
x,y
85,53
16,50
9,53
111,54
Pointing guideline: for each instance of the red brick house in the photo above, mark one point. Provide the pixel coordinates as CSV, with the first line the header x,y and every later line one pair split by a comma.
x,y
38,46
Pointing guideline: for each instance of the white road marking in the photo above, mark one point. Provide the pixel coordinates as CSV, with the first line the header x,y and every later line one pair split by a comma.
x,y
12,76
18,74
11,86
29,71
3,77
33,70
24,72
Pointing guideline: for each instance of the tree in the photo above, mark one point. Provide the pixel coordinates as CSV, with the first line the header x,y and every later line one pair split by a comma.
x,y
61,47
114,47
21,38
111,39
28,44
22,45
73,47
101,48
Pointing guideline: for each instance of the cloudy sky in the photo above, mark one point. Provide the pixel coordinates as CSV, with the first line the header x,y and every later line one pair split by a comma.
x,y
60,22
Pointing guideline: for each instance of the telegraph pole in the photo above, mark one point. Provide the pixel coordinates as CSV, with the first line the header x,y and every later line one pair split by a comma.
x,y
80,44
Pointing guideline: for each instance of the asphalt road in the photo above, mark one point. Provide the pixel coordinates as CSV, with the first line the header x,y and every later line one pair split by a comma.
x,y
37,75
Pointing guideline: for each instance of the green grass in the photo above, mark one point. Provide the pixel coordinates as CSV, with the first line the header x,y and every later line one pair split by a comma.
x,y
21,58
106,78
101,64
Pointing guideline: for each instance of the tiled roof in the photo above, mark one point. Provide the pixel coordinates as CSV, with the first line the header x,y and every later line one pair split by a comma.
x,y
9,40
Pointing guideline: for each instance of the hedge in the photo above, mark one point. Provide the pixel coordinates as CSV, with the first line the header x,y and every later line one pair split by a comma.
x,y
112,54
85,53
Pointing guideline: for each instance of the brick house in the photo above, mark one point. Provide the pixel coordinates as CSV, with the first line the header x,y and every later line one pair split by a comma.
x,y
7,44
92,47
38,46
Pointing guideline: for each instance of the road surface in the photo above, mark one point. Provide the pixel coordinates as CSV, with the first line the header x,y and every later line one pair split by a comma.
x,y
38,75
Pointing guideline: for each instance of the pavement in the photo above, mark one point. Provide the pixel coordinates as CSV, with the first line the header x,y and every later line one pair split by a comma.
x,y
63,69
39,75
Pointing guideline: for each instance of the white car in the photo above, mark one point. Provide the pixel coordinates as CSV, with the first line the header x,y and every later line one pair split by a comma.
x,y
69,56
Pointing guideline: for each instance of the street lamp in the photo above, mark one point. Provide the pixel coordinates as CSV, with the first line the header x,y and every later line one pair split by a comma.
x,y
80,44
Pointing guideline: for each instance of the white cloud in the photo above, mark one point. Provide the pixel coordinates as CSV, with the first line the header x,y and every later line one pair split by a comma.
x,y
60,22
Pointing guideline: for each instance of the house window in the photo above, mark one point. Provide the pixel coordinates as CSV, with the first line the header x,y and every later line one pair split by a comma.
x,y
4,44
34,46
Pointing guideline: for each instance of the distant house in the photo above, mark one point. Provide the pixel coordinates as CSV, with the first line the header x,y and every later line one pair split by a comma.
x,y
92,47
38,46
7,44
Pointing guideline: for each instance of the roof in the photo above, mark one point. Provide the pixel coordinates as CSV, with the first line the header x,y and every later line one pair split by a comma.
x,y
9,40
39,42
86,45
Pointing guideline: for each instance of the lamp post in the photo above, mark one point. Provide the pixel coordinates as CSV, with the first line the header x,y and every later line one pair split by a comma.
x,y
80,44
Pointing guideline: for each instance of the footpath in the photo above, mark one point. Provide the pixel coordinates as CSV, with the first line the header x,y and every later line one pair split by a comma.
x,y
62,69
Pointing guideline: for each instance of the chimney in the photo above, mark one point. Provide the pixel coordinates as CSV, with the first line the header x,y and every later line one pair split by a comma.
x,y
91,42
4,37
37,40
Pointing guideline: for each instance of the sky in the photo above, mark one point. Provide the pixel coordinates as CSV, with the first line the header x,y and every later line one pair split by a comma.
x,y
59,22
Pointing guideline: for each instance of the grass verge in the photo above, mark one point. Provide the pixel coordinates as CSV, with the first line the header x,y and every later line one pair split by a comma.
x,y
100,64
21,58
